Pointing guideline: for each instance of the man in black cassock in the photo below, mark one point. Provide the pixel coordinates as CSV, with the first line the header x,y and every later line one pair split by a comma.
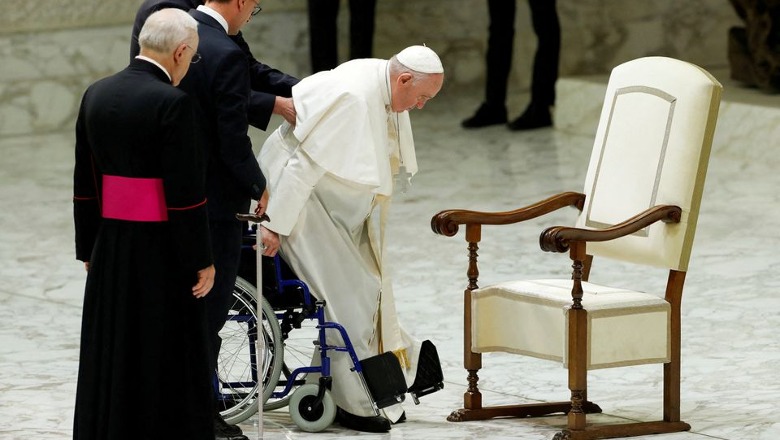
x,y
142,230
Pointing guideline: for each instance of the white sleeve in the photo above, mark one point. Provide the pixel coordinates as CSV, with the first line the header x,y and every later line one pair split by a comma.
x,y
295,184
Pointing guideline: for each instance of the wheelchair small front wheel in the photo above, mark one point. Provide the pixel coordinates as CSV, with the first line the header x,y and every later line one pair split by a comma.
x,y
308,416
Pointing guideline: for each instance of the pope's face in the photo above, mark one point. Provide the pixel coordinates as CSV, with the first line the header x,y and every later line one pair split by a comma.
x,y
409,94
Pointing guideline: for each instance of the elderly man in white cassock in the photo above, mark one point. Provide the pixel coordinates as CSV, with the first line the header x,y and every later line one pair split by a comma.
x,y
331,177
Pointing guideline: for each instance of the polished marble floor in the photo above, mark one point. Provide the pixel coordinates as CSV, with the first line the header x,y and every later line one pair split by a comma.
x,y
731,308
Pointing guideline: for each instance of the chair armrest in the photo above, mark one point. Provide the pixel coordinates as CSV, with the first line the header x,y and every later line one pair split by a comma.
x,y
558,238
447,222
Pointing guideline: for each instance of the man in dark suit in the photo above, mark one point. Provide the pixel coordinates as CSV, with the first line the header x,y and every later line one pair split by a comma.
x,y
271,88
220,83
139,207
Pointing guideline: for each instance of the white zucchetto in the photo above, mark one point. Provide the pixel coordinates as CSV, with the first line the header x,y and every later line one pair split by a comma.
x,y
420,59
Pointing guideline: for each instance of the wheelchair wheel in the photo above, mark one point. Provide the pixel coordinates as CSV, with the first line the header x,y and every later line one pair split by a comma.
x,y
299,350
312,418
237,372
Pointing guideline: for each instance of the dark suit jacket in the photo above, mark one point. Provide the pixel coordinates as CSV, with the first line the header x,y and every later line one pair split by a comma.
x,y
267,82
220,84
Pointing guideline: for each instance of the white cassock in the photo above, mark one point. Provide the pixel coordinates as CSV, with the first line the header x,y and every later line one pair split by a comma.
x,y
330,179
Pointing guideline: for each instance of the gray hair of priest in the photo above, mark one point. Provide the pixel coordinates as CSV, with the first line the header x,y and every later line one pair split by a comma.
x,y
166,29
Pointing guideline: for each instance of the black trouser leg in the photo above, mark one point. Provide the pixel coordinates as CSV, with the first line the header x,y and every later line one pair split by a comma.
x,y
361,28
226,250
501,34
544,18
323,34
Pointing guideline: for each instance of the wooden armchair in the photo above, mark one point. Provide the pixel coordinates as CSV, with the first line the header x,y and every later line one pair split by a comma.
x,y
640,204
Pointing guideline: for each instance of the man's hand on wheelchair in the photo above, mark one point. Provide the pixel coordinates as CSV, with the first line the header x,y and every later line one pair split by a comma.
x,y
270,241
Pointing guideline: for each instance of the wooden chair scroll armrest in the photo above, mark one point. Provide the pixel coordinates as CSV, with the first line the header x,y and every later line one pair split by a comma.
x,y
559,238
447,222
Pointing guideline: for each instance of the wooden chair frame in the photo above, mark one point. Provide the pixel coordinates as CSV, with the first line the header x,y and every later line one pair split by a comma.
x,y
574,240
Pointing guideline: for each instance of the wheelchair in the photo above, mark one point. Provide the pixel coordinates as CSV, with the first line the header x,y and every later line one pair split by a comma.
x,y
293,329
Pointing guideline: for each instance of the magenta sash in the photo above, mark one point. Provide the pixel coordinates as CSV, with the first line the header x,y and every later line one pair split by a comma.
x,y
134,199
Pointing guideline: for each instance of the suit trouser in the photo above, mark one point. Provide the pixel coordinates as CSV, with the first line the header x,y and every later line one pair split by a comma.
x,y
323,31
226,249
544,18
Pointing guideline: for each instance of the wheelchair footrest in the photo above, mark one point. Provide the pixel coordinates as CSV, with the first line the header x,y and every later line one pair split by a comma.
x,y
429,377
416,394
385,379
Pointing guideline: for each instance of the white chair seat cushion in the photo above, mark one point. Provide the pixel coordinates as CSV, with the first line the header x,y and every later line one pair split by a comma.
x,y
625,327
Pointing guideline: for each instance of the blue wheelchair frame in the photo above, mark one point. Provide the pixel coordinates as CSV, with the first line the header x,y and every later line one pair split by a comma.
x,y
319,314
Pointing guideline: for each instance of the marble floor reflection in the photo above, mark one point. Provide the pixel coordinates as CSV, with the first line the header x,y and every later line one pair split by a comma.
x,y
731,306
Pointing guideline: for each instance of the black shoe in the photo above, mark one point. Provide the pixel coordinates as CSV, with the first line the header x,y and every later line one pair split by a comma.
x,y
365,424
429,378
486,115
224,430
535,116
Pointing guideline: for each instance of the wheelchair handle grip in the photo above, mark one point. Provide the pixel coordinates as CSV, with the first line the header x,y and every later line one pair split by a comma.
x,y
254,218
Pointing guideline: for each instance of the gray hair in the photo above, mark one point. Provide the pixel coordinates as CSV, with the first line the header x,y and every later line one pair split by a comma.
x,y
396,68
165,29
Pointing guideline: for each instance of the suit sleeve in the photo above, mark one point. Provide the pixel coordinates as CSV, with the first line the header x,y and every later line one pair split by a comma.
x,y
184,180
267,83
86,191
260,109
231,91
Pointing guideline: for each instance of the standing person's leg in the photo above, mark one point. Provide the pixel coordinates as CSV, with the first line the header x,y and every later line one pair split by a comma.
x,y
501,34
548,31
499,54
323,34
544,18
361,28
226,250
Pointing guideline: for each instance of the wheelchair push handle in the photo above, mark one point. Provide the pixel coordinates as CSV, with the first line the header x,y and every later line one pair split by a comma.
x,y
254,218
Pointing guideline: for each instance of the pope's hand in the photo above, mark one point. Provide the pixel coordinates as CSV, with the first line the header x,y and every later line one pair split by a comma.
x,y
270,240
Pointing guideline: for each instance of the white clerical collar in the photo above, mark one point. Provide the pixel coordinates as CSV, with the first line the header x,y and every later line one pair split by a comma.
x,y
215,15
141,57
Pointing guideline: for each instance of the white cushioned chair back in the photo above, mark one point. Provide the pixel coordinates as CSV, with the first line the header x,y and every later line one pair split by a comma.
x,y
652,148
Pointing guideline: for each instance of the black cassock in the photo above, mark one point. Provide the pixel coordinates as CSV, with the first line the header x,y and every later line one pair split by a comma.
x,y
143,367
